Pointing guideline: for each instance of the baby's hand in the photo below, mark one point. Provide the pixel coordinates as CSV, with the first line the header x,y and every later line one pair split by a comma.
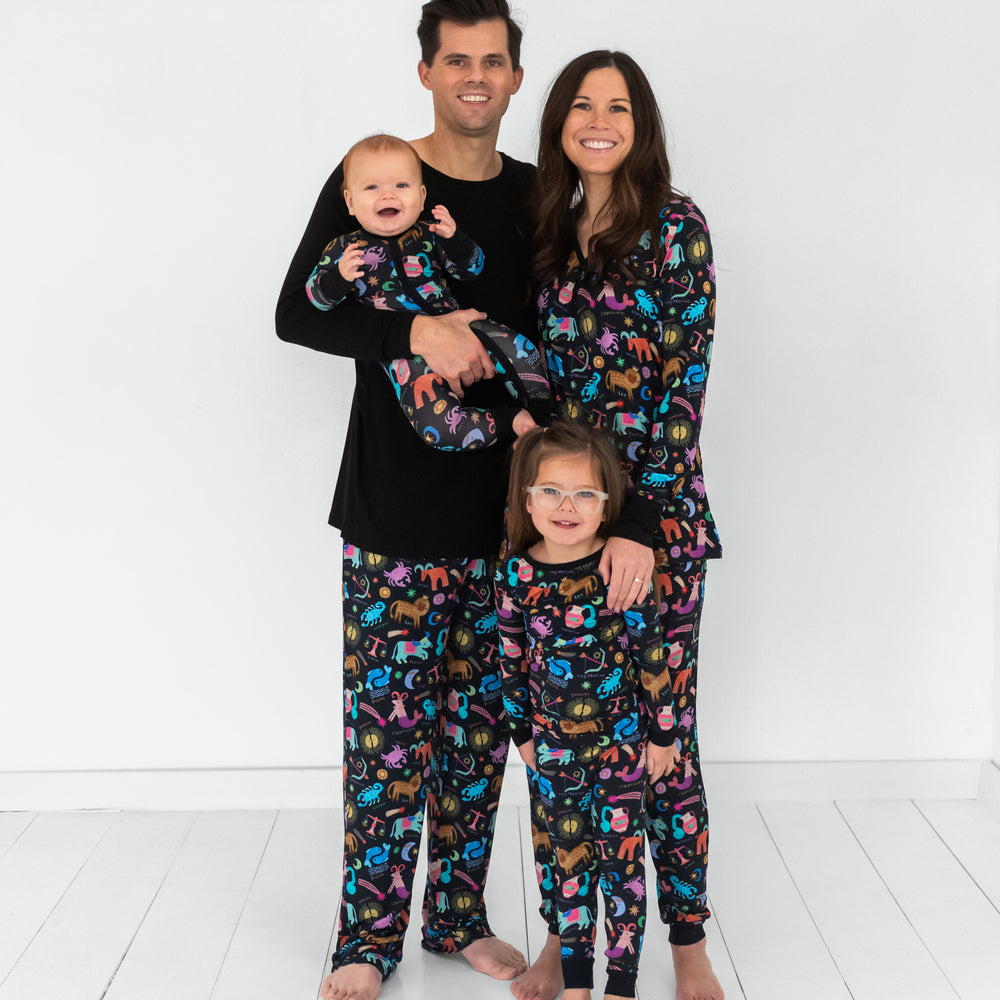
x,y
350,264
527,752
445,225
523,422
660,761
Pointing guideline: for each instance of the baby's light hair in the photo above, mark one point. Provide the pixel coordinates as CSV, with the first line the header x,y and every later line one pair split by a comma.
x,y
380,142
564,437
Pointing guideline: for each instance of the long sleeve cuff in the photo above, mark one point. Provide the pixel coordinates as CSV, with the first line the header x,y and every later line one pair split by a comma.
x,y
639,521
662,737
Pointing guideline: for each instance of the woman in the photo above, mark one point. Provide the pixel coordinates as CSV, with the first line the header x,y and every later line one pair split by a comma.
x,y
626,309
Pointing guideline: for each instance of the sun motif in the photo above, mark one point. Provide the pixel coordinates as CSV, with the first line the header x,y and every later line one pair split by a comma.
x,y
480,737
449,805
570,826
582,708
372,741
697,249
384,592
673,334
463,902
678,431
352,632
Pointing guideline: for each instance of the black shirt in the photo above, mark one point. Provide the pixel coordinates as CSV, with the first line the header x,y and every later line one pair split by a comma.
x,y
395,495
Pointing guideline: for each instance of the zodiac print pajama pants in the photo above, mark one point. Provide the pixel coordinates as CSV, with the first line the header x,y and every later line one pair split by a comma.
x,y
676,807
423,727
592,798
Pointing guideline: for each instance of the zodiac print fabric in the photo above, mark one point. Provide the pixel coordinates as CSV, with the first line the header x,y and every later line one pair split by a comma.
x,y
424,734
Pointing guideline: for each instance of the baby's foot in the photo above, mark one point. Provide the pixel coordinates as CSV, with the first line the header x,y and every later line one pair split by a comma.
x,y
360,981
494,958
693,972
543,980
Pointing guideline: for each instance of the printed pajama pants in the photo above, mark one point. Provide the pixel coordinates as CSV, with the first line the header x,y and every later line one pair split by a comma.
x,y
592,795
423,735
676,806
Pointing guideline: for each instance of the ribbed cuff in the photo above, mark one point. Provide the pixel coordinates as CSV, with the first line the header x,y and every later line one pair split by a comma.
x,y
685,933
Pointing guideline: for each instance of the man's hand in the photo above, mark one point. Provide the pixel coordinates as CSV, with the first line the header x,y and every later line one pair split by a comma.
x,y
523,422
627,568
660,761
527,752
451,349
445,225
349,264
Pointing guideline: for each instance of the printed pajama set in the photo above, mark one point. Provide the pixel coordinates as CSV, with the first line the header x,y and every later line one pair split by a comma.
x,y
587,684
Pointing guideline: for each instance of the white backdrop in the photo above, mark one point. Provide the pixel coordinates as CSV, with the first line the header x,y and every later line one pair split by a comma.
x,y
170,589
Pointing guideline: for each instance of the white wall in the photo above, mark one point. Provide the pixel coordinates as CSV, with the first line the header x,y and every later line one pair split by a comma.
x,y
170,588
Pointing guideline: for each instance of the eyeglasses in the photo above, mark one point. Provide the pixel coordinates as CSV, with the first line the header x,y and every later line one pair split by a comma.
x,y
550,498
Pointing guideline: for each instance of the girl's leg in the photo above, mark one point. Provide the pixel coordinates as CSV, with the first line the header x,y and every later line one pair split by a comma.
x,y
564,788
678,813
619,817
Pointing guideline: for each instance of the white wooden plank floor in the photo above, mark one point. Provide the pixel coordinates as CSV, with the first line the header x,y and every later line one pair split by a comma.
x,y
816,900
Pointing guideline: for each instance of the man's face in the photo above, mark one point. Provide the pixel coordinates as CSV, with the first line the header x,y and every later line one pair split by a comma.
x,y
471,77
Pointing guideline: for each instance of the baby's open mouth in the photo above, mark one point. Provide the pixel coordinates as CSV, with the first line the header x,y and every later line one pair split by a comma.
x,y
388,213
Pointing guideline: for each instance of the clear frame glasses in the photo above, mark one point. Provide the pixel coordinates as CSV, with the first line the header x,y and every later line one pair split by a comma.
x,y
551,498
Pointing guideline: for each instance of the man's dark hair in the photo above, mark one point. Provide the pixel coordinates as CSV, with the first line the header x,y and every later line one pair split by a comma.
x,y
465,12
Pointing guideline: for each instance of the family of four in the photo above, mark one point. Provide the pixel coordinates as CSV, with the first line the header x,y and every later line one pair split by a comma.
x,y
525,527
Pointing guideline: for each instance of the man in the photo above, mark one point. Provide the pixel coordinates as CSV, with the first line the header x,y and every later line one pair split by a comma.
x,y
422,698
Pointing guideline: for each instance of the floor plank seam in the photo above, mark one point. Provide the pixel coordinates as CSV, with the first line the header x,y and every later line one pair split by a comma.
x,y
951,851
812,917
20,835
243,908
892,896
152,901
55,905
718,925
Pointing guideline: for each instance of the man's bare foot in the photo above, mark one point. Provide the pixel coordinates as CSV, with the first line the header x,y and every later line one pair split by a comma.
x,y
576,995
494,958
359,981
543,980
693,972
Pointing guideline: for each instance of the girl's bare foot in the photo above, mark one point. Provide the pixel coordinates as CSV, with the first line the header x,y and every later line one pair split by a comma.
x,y
543,980
360,981
494,958
693,972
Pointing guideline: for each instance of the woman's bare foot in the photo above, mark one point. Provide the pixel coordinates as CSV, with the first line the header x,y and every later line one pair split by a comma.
x,y
359,981
693,972
494,958
543,980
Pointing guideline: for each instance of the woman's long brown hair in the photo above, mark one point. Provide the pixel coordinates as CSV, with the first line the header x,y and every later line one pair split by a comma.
x,y
640,188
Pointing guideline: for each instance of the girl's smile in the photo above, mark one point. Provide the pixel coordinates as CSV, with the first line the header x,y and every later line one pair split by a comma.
x,y
567,533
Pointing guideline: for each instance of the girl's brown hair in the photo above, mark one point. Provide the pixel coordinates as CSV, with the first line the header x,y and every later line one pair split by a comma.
x,y
640,188
561,438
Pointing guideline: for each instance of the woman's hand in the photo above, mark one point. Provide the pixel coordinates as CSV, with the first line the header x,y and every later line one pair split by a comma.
x,y
527,752
660,761
627,568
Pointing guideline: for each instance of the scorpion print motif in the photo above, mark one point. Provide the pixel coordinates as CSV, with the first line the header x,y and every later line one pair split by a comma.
x,y
587,710
434,412
427,736
632,355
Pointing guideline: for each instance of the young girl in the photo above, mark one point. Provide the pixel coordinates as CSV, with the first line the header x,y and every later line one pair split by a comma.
x,y
583,688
